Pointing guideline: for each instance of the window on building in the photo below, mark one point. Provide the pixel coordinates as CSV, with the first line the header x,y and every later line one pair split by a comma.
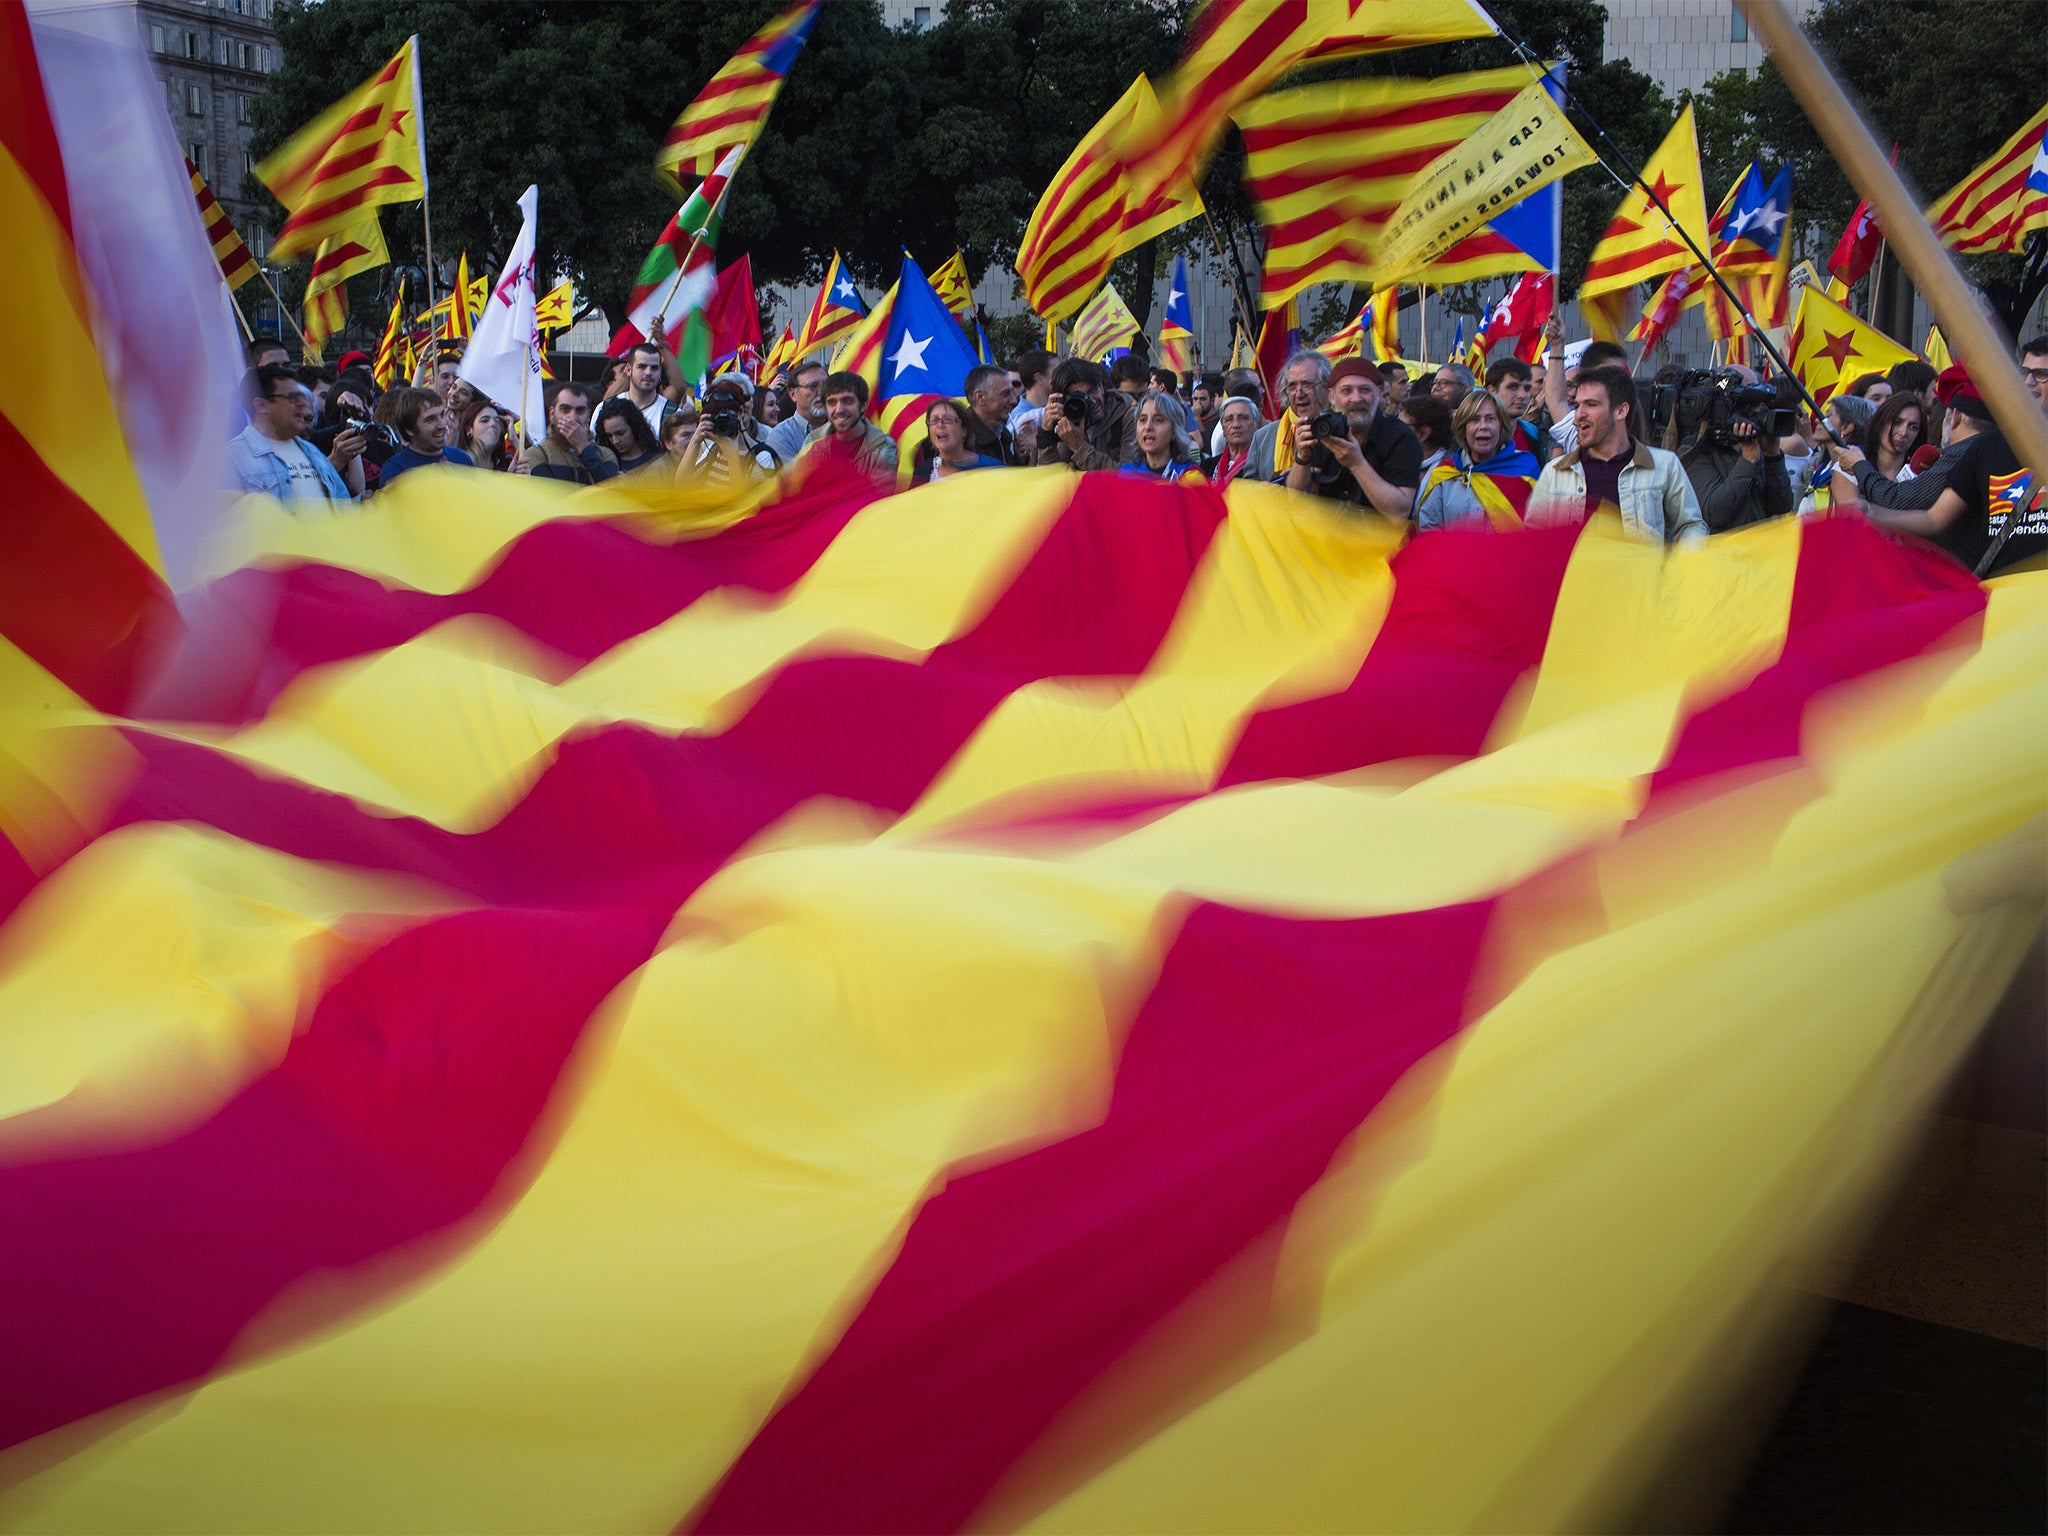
x,y
921,17
195,101
263,60
192,46
1738,27
242,105
248,162
196,153
156,37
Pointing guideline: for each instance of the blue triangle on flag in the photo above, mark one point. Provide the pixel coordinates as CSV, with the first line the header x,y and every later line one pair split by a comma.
x,y
1534,226
925,352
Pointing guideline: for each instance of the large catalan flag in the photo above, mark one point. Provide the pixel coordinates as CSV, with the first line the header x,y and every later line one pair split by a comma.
x,y
734,104
837,309
362,152
1092,212
1238,49
1997,205
237,266
1328,164
1046,999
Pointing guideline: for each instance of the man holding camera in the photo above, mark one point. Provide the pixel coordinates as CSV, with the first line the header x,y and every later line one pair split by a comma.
x,y
723,444
1352,453
1086,425
1736,463
272,455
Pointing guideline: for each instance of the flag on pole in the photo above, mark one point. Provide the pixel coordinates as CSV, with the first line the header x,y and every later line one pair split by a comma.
x,y
1998,204
861,350
949,282
1935,350
1348,340
237,266
502,360
1279,335
835,312
1242,353
1327,165
361,152
1641,241
779,356
338,259
1522,310
1091,214
457,323
729,112
555,310
923,355
1177,322
1662,312
384,367
732,321
1105,321
1830,347
1237,49
659,295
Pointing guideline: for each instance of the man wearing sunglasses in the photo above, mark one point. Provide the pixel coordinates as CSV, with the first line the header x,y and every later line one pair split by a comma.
x,y
271,457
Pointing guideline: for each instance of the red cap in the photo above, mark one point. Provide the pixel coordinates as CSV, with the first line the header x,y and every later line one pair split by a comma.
x,y
1355,368
1952,381
349,360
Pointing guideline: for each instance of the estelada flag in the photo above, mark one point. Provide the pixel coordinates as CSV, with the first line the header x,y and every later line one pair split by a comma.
x,y
834,313
1830,347
1177,321
949,282
384,367
734,104
361,152
1105,321
2002,201
1642,240
1348,340
556,309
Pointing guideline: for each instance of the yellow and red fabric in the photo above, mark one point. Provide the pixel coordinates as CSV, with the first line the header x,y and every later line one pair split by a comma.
x,y
610,1015
734,105
1646,236
237,266
834,313
1328,164
1829,347
1505,498
83,595
359,249
2002,201
384,367
1092,212
360,153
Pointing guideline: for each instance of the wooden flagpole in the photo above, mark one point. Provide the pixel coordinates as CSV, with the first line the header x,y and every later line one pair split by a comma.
x,y
1971,333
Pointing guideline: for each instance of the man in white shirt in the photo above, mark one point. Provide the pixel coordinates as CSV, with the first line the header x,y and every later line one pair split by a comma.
x,y
643,385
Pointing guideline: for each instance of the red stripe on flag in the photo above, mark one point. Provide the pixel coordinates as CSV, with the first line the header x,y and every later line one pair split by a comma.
x,y
26,132
318,214
1018,1285
394,1115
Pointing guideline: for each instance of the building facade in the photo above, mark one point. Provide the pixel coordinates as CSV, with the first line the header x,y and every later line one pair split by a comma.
x,y
214,58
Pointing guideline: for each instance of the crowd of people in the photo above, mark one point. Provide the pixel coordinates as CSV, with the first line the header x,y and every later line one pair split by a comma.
x,y
1533,443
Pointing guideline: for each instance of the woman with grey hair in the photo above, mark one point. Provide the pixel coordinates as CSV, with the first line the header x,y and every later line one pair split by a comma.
x,y
1164,450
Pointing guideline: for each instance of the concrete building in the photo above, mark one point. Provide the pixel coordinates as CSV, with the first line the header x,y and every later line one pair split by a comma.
x,y
1681,44
214,58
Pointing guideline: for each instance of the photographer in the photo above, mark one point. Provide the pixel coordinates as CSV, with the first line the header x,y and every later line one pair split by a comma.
x,y
723,444
1085,426
1354,454
1734,461
271,456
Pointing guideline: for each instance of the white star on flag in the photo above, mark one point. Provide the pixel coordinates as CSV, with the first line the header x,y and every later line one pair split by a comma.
x,y
911,353
844,290
1172,295
1768,218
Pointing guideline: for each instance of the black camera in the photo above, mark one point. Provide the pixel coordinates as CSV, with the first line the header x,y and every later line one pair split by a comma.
x,y
1716,401
1079,409
1323,426
373,431
725,423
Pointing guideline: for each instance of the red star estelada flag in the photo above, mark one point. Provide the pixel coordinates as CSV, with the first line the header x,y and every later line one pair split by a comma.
x,y
1643,240
1831,348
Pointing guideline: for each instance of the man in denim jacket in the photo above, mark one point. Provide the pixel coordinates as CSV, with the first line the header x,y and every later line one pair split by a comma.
x,y
269,456
1608,467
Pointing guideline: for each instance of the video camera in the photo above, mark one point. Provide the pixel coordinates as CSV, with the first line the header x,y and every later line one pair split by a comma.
x,y
1719,400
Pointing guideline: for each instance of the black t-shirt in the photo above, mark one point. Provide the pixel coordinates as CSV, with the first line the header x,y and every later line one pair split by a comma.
x,y
1394,452
1994,487
1603,476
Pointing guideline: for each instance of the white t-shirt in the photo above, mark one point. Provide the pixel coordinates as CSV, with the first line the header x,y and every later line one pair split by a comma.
x,y
655,413
306,483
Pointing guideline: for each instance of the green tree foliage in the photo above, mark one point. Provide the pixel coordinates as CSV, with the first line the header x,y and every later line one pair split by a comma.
x,y
1948,80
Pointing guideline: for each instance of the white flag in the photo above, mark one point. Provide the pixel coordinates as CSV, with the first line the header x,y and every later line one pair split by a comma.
x,y
503,357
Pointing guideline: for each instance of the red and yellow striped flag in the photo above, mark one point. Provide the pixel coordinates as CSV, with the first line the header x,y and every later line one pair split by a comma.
x,y
1328,164
834,314
1348,340
1238,49
237,266
735,102
1997,205
1105,321
1092,213
361,152
949,282
338,259
384,368
1386,323
1047,1000
1641,242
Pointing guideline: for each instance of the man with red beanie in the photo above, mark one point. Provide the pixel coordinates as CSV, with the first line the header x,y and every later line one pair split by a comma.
x,y
1990,513
1377,464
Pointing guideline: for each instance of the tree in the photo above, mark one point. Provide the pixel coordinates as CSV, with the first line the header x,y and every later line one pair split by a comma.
x,y
1948,80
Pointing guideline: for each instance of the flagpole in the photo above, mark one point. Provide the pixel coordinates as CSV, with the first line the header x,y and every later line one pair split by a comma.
x,y
241,319
1422,301
419,117
1970,333
1876,278
1236,294
281,309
